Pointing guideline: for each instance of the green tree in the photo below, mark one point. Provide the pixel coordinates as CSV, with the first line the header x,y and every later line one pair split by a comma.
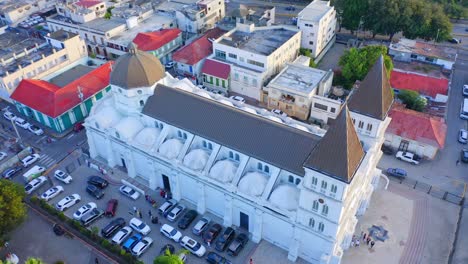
x,y
12,208
353,13
356,63
412,100
169,258
34,261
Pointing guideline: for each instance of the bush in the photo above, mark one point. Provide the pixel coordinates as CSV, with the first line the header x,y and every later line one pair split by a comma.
x,y
115,249
105,243
59,262
412,100
122,252
62,216
34,200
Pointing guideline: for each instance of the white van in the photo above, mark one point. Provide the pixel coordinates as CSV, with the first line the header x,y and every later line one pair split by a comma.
x,y
34,172
464,109
101,57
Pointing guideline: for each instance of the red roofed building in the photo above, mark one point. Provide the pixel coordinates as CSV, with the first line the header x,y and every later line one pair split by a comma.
x,y
425,85
91,4
216,75
189,59
160,43
65,99
416,132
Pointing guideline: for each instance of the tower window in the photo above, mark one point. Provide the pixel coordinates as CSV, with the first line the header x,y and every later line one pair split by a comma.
x,y
142,103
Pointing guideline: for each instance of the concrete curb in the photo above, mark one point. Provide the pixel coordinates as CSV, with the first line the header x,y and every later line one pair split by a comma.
x,y
457,232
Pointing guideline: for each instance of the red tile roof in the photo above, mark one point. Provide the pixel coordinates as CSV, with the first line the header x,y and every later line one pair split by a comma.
x,y
149,41
198,49
216,68
425,85
417,126
88,3
53,100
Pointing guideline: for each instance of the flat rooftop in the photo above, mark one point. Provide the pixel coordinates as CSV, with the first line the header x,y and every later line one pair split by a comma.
x,y
315,10
179,5
70,75
99,24
260,41
298,78
424,49
61,35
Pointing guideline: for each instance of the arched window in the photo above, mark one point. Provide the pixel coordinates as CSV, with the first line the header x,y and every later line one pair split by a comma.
x,y
142,103
314,181
139,91
204,143
231,155
321,227
210,146
324,185
315,206
325,210
333,188
298,181
266,169
259,166
179,133
97,125
311,222
237,157
291,179
117,134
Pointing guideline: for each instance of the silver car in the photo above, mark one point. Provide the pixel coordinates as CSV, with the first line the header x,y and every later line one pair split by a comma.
x,y
463,136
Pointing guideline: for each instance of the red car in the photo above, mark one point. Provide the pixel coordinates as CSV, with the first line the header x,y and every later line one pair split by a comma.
x,y
78,127
111,208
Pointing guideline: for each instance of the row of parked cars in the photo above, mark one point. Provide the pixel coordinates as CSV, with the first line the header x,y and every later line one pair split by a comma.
x,y
23,123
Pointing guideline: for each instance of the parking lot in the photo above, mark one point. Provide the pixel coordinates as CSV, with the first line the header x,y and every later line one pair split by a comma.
x,y
125,210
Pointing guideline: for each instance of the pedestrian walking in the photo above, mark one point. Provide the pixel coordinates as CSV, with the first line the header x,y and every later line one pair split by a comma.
x,y
357,243
139,214
364,237
368,240
96,260
372,243
458,162
134,209
149,213
251,261
352,242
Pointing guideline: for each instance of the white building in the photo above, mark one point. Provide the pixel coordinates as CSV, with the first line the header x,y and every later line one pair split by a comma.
x,y
317,21
280,182
256,54
201,16
14,11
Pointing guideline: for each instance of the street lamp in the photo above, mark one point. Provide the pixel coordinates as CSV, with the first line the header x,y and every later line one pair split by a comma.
x,y
437,36
17,133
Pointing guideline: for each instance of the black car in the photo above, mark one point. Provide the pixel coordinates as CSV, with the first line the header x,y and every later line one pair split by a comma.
x,y
464,155
225,239
98,181
165,248
94,191
187,219
237,245
214,258
58,230
8,173
112,227
290,8
210,234
387,150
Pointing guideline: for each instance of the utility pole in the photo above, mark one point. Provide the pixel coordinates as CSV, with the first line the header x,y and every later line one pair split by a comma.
x,y
17,133
437,36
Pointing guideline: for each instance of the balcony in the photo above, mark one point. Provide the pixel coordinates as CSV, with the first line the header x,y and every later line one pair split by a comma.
x,y
287,99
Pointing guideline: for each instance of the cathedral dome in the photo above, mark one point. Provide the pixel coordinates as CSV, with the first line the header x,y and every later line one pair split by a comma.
x,y
136,69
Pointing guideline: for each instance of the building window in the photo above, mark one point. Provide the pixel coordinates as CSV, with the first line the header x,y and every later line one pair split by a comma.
x,y
369,127
210,146
266,169
333,188
211,79
142,103
315,206
236,157
220,54
97,125
117,134
241,59
314,182
291,179
311,43
204,143
254,82
256,63
231,155
324,185
259,166
139,91
354,121
236,76
234,56
321,106
179,134
223,83
325,210
321,227
333,110
311,222
361,124
217,82
298,181
246,79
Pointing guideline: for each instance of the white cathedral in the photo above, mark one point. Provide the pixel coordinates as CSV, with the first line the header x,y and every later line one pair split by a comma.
x,y
287,182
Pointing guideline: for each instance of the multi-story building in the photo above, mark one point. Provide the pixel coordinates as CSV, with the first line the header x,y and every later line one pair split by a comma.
x,y
216,75
12,11
256,54
22,57
317,21
259,15
66,97
201,16
285,182
160,43
303,92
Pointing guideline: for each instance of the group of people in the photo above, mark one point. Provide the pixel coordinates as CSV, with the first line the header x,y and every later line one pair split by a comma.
x,y
364,238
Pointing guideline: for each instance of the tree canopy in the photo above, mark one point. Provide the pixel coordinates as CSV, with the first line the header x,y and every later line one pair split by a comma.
x,y
12,209
412,100
169,258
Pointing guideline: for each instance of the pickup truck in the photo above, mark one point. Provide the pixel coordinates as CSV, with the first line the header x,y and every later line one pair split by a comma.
x,y
407,156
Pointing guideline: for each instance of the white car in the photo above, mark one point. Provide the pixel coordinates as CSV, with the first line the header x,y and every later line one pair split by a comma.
x,y
175,212
9,116
201,225
139,226
169,65
462,136
121,235
52,192
129,191
193,246
141,246
36,130
68,202
407,156
279,112
22,123
237,98
170,232
84,210
34,184
28,160
63,176
3,155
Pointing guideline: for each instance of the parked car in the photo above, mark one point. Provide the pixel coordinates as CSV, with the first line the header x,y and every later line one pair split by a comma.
x,y
201,225
387,149
237,98
63,176
35,184
139,226
463,136
210,235
407,156
35,130
464,155
187,219
77,127
129,243
166,206
237,245
129,192
225,239
170,232
193,246
91,216
30,159
22,123
94,191
52,192
84,210
98,181
8,173
279,112
121,235
175,212
112,227
9,116
68,202
290,8
141,246
3,155
111,207
395,172
455,41
215,258
465,90
169,65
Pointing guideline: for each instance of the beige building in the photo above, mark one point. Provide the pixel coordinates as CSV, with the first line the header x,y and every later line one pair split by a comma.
x,y
13,11
201,16
33,59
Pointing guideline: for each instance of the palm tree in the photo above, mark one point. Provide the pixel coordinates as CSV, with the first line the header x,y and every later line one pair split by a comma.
x,y
169,258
